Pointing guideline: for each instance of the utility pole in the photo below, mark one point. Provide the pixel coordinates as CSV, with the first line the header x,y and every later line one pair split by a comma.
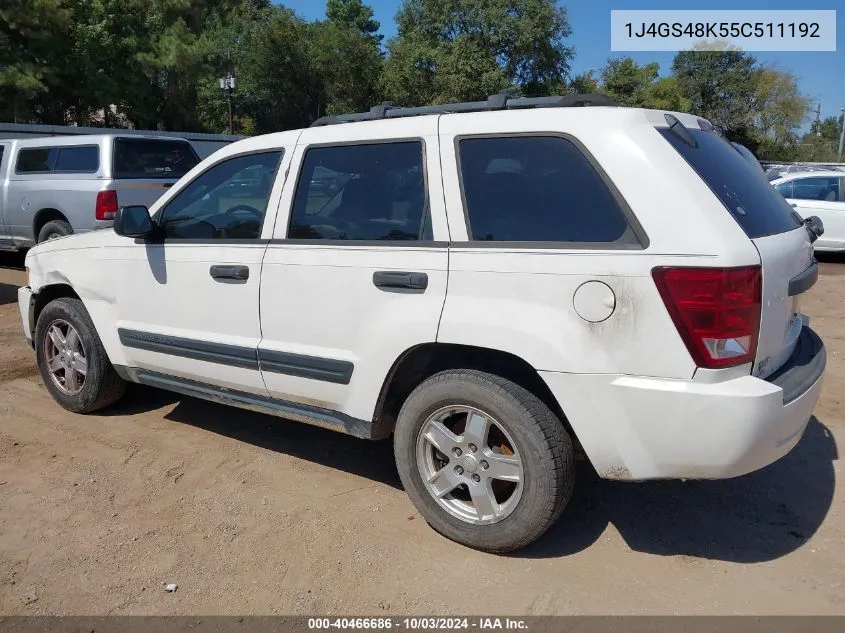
x,y
841,137
818,116
227,83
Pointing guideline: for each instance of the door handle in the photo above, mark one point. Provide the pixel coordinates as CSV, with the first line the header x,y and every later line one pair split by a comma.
x,y
399,279
238,273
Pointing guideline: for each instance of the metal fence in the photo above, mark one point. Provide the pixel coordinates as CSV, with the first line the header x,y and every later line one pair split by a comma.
x,y
205,144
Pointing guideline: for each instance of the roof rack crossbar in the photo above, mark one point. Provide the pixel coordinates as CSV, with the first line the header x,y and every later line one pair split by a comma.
x,y
501,101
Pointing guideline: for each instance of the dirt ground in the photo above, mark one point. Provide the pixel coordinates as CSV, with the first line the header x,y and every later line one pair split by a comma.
x,y
253,515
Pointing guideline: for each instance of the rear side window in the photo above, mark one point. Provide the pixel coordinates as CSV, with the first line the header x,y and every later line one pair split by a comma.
x,y
152,158
758,208
35,160
822,189
537,189
372,191
78,159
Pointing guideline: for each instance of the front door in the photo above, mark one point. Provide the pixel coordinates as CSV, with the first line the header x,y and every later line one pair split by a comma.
x,y
189,304
356,275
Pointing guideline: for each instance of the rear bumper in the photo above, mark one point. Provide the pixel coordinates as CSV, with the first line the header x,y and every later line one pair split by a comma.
x,y
649,428
26,309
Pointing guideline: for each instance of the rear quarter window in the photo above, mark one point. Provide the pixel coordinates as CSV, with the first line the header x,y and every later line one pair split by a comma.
x,y
538,189
756,206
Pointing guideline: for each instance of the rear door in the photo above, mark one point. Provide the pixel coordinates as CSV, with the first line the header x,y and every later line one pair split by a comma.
x,y
142,169
356,272
786,254
821,196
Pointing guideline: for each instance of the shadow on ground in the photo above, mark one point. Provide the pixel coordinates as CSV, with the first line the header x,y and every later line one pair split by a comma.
x,y
758,517
12,259
8,294
373,460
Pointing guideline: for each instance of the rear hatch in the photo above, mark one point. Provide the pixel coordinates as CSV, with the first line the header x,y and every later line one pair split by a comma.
x,y
144,168
778,233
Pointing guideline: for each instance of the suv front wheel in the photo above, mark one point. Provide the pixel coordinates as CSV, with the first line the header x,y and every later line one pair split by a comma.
x,y
71,358
485,462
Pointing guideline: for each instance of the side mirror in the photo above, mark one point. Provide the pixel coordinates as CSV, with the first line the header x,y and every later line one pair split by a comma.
x,y
133,221
815,227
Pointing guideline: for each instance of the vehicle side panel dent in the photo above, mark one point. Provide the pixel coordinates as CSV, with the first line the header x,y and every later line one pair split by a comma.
x,y
93,282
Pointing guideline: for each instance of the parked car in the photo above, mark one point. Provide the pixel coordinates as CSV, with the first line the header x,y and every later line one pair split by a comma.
x,y
54,186
773,171
822,194
491,283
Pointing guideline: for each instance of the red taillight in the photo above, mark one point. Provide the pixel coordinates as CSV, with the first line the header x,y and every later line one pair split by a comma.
x,y
716,311
106,205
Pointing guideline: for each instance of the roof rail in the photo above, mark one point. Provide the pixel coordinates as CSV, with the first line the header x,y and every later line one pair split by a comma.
x,y
501,101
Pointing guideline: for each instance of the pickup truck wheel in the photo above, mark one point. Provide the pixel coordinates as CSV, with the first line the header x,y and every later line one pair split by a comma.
x,y
54,229
71,358
485,462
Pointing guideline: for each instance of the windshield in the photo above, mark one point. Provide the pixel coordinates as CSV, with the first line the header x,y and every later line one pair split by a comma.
x,y
152,158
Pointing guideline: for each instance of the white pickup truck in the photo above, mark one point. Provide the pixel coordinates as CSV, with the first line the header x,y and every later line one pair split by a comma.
x,y
491,283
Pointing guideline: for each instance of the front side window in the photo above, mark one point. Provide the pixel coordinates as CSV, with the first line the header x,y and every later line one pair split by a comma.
x,y
537,189
822,189
361,192
227,201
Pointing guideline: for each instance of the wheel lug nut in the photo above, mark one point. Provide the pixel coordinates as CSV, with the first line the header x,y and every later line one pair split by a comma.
x,y
457,452
459,470
473,448
476,478
484,465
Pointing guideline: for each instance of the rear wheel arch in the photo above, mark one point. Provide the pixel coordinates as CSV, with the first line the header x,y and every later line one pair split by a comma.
x,y
421,362
43,216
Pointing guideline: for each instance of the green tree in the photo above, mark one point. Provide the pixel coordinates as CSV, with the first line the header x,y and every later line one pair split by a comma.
x,y
34,38
459,50
665,94
780,110
821,144
720,86
627,82
265,46
345,57
354,14
829,129
585,83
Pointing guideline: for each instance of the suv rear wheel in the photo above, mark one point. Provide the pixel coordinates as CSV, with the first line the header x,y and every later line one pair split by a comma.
x,y
71,358
485,462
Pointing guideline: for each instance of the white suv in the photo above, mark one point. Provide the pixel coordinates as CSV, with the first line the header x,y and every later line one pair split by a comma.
x,y
491,283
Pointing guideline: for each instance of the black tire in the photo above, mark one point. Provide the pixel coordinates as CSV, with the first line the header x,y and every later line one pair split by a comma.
x,y
544,446
102,385
54,228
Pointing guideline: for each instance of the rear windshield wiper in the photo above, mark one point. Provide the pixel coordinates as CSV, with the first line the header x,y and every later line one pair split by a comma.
x,y
678,129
